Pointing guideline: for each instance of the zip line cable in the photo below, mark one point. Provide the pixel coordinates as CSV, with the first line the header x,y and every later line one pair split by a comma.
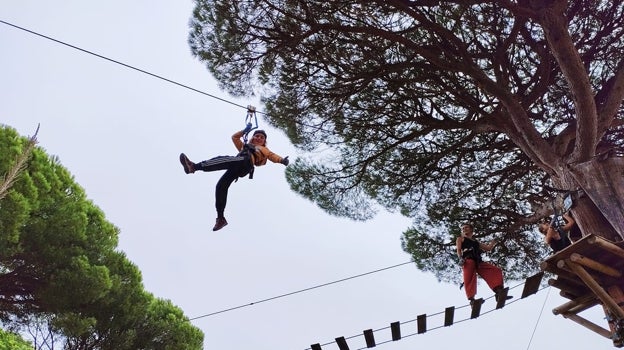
x,y
217,98
124,64
245,107
299,291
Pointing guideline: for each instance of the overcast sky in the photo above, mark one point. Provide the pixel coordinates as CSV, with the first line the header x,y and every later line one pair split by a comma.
x,y
119,132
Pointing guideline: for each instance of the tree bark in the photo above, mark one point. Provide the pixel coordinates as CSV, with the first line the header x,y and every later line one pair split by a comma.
x,y
601,211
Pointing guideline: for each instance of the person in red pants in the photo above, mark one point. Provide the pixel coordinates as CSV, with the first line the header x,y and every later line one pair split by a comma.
x,y
469,250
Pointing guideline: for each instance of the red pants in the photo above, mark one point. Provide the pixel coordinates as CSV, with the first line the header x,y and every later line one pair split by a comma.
x,y
492,275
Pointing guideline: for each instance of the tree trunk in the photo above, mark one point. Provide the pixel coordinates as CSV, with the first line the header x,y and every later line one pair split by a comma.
x,y
601,210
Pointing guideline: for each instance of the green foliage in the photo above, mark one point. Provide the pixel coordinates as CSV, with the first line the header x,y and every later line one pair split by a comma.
x,y
443,111
59,265
11,341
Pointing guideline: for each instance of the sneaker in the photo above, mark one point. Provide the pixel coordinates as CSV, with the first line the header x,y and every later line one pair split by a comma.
x,y
221,222
189,167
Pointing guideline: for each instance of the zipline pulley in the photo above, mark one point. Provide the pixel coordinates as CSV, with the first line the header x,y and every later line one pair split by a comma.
x,y
250,119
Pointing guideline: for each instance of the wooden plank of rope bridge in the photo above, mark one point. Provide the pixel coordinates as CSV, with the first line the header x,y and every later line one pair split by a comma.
x,y
476,308
532,284
370,338
395,328
342,343
596,288
316,346
587,324
449,315
594,265
501,298
422,323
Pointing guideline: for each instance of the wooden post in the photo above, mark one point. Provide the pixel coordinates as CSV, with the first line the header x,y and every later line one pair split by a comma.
x,y
596,288
565,308
562,264
606,245
573,287
587,324
594,265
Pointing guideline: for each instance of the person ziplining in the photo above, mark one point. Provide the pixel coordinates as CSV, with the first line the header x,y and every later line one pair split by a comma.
x,y
252,153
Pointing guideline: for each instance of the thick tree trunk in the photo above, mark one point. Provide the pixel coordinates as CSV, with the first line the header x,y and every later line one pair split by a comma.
x,y
601,210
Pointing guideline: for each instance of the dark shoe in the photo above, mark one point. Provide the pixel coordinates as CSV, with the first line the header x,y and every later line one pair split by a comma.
x,y
189,167
221,222
500,292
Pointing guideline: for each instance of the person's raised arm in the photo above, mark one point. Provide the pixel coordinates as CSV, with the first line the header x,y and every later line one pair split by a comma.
x,y
458,244
489,246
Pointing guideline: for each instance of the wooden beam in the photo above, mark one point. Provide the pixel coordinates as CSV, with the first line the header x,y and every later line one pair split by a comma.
x,y
562,263
370,338
564,273
587,305
532,284
422,323
596,288
606,245
395,328
588,324
575,288
565,308
595,265
342,343
449,315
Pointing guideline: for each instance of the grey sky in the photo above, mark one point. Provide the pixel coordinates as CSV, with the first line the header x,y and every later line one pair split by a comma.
x,y
119,132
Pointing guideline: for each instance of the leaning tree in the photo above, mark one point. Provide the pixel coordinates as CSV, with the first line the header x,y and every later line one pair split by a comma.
x,y
442,110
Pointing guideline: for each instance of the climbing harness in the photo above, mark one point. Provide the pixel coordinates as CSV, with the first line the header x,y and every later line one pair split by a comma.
x,y
556,219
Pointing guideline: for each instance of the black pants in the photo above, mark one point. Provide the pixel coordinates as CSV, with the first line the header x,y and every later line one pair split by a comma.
x,y
234,166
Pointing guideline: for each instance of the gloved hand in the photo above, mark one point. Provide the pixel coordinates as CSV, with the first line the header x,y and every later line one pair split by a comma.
x,y
285,161
247,128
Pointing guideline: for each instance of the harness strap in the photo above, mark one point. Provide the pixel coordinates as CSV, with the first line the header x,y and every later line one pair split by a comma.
x,y
247,152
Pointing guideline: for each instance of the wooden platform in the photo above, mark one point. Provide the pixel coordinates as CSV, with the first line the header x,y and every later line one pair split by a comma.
x,y
590,273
